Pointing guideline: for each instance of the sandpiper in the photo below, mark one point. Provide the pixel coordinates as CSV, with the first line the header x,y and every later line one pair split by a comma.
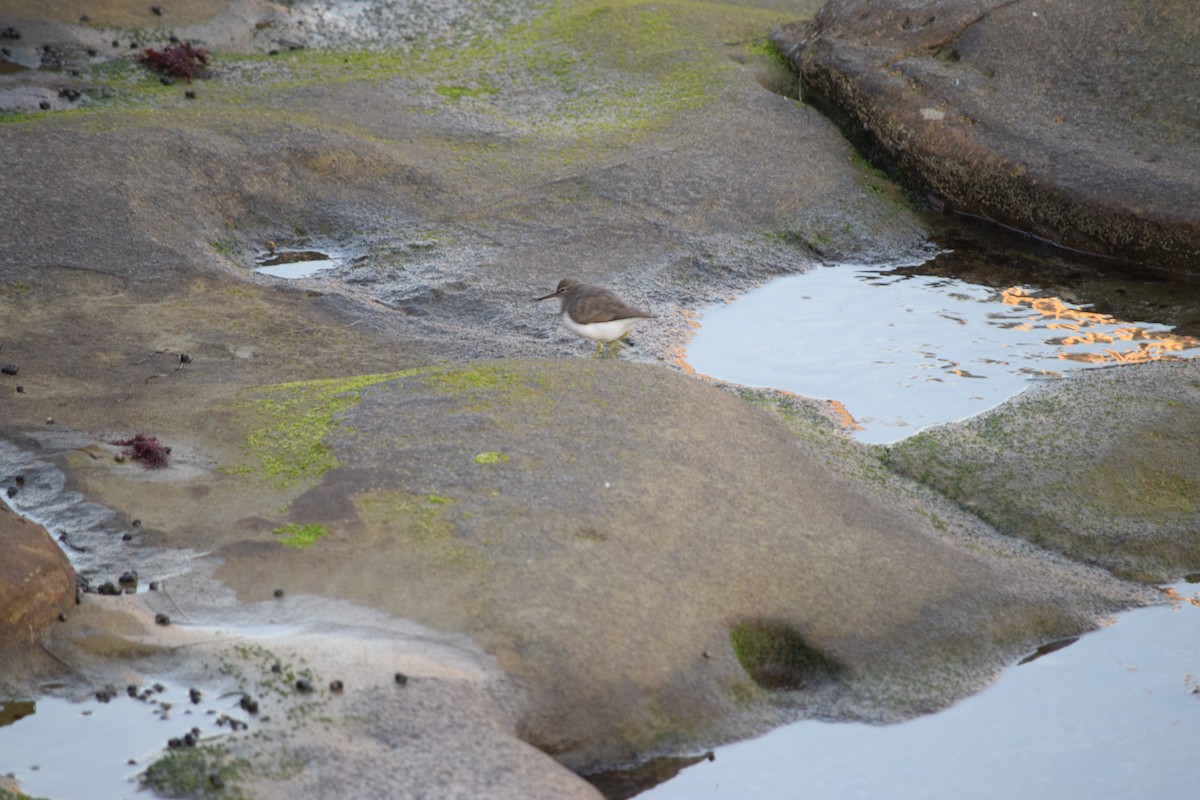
x,y
595,313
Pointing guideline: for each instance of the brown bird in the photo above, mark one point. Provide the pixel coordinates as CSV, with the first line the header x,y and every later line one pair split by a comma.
x,y
595,313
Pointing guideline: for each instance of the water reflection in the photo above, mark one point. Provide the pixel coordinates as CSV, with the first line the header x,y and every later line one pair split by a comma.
x,y
1116,714
901,350
293,264
54,747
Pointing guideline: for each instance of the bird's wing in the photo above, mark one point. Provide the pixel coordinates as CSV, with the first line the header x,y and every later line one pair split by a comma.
x,y
594,304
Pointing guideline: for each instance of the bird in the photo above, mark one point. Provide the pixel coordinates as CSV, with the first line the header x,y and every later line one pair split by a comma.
x,y
595,313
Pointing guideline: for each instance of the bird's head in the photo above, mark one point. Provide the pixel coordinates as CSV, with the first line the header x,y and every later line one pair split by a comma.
x,y
564,286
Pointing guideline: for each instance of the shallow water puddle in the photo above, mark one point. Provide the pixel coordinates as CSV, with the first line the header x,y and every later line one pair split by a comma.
x,y
70,750
1114,714
293,264
903,351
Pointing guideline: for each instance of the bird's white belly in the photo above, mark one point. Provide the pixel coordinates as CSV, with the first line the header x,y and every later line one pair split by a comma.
x,y
601,331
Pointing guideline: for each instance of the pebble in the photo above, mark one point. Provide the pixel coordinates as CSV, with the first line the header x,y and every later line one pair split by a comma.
x,y
10,369
194,695
336,686
162,619
248,704
129,576
401,678
302,685
62,616
108,588
184,358
279,592
20,389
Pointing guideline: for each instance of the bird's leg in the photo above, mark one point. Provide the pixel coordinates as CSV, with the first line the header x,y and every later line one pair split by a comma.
x,y
599,348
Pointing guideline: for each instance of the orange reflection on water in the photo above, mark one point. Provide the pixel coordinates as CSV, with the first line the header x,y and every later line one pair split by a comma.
x,y
1151,345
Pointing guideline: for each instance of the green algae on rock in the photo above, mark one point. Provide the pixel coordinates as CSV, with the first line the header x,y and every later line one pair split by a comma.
x,y
300,536
291,420
1100,467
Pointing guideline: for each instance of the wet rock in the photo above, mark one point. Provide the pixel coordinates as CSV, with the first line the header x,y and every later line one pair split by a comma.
x,y
1075,122
303,685
194,695
248,704
1127,499
162,619
108,588
128,578
10,369
401,678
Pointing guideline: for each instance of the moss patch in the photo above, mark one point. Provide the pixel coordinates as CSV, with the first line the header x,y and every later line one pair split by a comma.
x,y
206,771
417,521
598,68
491,457
776,656
291,421
482,386
300,536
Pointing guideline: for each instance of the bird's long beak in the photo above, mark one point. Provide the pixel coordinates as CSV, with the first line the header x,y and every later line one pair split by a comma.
x,y
547,297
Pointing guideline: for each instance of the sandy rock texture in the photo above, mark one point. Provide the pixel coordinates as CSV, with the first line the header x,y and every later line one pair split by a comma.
x,y
36,581
577,562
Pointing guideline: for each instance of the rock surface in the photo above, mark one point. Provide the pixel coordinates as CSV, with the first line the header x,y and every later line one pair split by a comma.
x,y
410,437
36,580
1102,468
1078,122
